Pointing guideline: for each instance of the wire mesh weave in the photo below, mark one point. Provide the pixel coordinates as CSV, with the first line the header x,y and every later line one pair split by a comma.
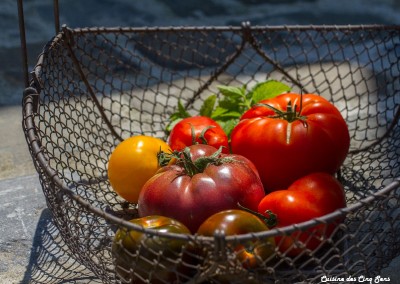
x,y
92,88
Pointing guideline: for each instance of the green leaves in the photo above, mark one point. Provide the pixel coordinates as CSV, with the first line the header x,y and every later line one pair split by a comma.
x,y
177,116
268,90
230,107
181,113
208,106
230,91
234,101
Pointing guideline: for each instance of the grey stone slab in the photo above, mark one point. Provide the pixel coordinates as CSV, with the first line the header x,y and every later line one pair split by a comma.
x,y
31,250
21,204
15,159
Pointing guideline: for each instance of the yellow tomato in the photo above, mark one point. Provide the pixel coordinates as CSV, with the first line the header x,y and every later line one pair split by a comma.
x,y
132,163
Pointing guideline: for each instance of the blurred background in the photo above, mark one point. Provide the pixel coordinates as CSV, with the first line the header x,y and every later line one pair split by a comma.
x,y
76,13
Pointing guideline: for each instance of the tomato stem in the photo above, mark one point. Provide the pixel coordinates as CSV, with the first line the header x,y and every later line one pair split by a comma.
x,y
184,159
291,114
271,220
163,158
187,163
201,136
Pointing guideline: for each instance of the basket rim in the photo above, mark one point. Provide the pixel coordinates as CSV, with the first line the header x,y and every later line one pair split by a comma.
x,y
31,136
243,26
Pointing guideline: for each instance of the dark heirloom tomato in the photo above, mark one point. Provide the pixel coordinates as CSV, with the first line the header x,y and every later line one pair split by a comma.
x,y
288,137
137,251
309,197
197,129
235,222
202,182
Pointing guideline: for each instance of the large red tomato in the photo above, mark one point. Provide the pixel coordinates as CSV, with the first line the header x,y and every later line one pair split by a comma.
x,y
309,197
290,136
201,183
197,129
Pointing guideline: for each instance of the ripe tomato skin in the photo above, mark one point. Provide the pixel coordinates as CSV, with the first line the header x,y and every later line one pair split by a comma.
x,y
174,193
309,197
132,163
127,244
285,151
181,134
236,222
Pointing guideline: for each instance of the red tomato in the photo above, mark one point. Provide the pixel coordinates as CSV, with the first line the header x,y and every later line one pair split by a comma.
x,y
200,184
235,222
286,141
309,197
197,129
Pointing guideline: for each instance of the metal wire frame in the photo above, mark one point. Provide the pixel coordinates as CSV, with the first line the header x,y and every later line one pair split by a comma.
x,y
22,32
30,95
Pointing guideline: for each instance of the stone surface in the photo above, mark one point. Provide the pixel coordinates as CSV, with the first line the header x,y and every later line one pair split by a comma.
x,y
30,249
14,155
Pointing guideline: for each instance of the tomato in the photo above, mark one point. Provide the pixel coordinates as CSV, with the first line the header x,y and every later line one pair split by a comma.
x,y
309,197
287,139
139,252
198,129
202,182
236,222
132,163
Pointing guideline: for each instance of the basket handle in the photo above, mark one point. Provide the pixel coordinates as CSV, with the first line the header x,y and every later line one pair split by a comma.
x,y
22,34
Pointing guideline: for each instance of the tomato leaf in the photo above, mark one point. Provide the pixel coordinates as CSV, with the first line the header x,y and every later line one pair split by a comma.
x,y
171,125
218,112
230,91
232,103
228,125
208,106
227,110
267,90
182,111
177,116
230,107
221,113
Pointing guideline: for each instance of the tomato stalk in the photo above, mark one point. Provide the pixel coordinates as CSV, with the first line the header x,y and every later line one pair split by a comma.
x,y
271,221
184,159
201,136
163,158
289,115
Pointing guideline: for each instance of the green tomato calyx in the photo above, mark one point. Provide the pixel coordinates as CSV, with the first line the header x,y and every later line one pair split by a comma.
x,y
183,158
291,114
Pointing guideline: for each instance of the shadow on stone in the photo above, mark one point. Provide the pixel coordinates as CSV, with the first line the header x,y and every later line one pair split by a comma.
x,y
50,261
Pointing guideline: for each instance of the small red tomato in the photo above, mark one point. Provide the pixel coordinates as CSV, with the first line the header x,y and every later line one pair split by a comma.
x,y
309,197
235,222
198,130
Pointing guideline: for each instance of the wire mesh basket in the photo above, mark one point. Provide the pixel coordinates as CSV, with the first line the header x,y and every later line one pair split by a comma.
x,y
94,87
